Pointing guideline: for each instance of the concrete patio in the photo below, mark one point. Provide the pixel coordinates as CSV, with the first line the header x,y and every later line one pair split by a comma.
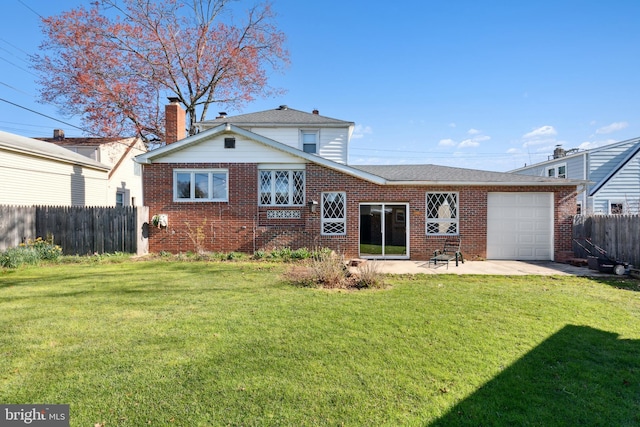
x,y
495,267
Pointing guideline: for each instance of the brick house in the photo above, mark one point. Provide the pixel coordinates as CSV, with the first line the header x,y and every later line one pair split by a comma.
x,y
280,178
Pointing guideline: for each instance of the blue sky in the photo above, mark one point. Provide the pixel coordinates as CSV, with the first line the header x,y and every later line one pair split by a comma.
x,y
479,84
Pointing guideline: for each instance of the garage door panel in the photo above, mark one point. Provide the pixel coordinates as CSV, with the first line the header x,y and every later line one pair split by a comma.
x,y
520,226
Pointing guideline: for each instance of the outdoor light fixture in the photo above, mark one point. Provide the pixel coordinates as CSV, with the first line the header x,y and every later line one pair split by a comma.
x,y
313,205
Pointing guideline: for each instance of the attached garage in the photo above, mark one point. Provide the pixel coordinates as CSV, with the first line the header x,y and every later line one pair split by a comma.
x,y
520,226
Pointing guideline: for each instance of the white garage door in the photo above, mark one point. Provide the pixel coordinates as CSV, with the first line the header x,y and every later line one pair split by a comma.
x,y
520,226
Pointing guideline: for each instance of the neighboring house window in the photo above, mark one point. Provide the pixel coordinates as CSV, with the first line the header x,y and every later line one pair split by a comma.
x,y
334,214
616,208
442,213
281,187
579,208
562,171
119,199
558,171
309,141
200,185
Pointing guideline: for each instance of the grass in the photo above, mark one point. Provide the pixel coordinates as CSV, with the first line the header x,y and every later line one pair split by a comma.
x,y
229,343
377,249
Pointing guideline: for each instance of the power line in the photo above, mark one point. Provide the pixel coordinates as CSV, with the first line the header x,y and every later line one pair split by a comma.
x,y
48,117
16,48
28,7
18,67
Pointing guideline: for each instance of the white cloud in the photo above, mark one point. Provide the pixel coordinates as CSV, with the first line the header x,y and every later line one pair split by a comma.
x,y
613,127
447,142
473,131
360,131
541,132
452,125
513,151
469,143
589,145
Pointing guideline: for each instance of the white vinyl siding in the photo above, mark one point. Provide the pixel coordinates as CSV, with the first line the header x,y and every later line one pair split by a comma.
x,y
31,180
332,143
246,151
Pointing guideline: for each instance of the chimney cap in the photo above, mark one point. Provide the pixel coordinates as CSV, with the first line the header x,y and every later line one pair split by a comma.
x,y
222,115
315,111
283,107
173,99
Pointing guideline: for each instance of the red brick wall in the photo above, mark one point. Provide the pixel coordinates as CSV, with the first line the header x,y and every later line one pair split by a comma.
x,y
241,225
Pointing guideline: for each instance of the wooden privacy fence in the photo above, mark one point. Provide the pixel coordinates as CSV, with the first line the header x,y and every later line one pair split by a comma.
x,y
617,235
78,230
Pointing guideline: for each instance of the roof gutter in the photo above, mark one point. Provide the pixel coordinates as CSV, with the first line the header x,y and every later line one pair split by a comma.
x,y
493,183
22,150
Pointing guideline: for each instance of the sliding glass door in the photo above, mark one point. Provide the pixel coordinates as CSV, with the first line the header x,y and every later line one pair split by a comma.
x,y
383,230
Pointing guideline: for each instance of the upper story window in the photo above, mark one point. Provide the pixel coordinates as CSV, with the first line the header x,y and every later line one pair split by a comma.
x,y
442,213
558,171
281,187
200,185
309,140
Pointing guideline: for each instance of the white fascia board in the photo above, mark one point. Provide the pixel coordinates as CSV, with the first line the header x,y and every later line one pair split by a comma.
x,y
89,163
147,158
493,183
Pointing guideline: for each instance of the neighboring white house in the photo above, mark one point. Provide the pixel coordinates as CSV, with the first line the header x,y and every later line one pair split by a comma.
x,y
125,175
613,171
34,172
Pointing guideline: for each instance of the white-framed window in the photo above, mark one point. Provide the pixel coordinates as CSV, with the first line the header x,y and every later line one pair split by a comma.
x,y
334,213
201,185
281,187
442,213
119,198
616,207
309,140
557,171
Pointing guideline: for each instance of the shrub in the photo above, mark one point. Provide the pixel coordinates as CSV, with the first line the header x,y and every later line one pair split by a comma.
x,y
31,253
369,275
327,269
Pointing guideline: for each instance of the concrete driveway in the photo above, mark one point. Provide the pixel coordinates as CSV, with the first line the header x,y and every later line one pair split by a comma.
x,y
495,267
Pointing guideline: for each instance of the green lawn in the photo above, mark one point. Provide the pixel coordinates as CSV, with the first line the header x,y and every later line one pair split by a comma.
x,y
228,343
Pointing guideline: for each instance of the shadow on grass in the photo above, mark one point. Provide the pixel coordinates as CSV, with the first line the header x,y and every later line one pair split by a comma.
x,y
579,376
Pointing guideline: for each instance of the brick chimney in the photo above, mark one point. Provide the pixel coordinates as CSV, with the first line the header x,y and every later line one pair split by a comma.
x,y
175,121
315,111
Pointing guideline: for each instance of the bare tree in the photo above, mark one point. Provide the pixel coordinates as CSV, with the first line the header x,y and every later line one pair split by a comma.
x,y
115,62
